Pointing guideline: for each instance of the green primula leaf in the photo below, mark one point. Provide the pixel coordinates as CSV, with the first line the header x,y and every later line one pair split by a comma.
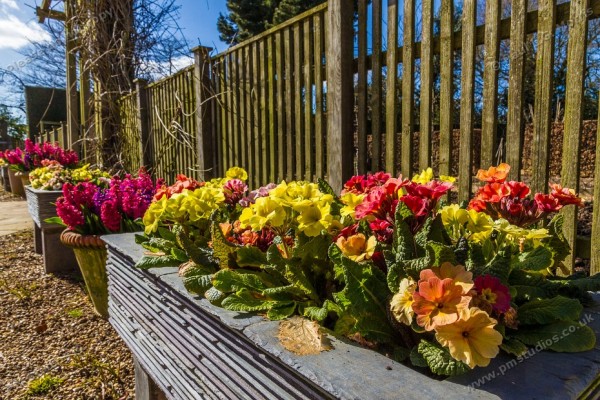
x,y
440,361
244,301
141,239
461,252
296,275
222,249
394,276
315,313
166,234
499,266
442,253
545,311
197,278
326,188
157,245
433,230
214,295
282,311
195,253
336,256
148,262
557,242
563,336
538,259
228,281
179,254
250,256
314,248
514,347
475,258
417,359
364,297
527,293
414,267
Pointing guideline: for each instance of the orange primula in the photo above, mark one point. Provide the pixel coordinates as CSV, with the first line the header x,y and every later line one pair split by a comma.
x,y
439,302
457,273
494,174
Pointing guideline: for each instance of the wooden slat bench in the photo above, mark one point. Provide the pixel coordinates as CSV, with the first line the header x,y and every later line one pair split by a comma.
x,y
186,348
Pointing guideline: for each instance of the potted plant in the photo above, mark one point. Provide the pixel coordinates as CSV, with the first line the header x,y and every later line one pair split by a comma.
x,y
443,288
90,210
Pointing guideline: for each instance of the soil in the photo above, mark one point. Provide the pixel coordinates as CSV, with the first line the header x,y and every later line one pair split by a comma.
x,y
48,327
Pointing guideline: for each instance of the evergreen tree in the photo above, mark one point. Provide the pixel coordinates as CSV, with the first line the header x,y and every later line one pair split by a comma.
x,y
290,8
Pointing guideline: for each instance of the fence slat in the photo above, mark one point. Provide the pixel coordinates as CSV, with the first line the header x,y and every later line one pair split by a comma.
x,y
320,128
362,88
391,102
544,76
243,115
408,87
289,102
309,130
223,105
514,126
299,128
376,89
264,121
426,86
281,133
256,124
576,50
271,104
595,243
235,83
446,86
467,93
489,129
249,114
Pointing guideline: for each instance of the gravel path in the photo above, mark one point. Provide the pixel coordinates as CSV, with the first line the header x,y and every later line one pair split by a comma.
x,y
48,328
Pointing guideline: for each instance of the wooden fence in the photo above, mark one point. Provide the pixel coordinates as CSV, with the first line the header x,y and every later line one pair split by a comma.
x,y
314,97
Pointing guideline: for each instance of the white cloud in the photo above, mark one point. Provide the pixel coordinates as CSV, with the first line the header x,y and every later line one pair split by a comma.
x,y
15,34
9,4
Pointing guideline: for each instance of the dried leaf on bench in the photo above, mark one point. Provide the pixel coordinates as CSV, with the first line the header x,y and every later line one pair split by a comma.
x,y
303,337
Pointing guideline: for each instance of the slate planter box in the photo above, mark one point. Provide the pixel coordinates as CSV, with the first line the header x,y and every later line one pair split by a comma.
x,y
192,349
57,257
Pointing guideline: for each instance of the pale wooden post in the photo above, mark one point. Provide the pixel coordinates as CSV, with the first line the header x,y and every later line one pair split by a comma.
x,y
146,148
340,92
207,162
72,95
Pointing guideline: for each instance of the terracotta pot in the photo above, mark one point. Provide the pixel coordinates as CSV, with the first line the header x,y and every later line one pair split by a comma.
x,y
5,178
91,255
16,185
24,178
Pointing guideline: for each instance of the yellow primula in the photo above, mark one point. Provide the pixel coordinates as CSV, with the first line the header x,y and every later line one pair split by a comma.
x,y
424,177
401,303
446,178
537,235
236,173
313,216
357,247
454,219
298,191
472,339
265,211
480,225
202,202
153,215
351,200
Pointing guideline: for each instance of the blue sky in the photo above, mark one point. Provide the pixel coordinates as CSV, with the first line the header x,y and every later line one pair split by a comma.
x,y
18,25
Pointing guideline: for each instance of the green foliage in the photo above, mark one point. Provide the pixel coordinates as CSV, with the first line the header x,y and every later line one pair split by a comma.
x,y
562,336
152,261
546,311
223,251
364,297
75,313
513,346
43,385
198,278
439,360
538,259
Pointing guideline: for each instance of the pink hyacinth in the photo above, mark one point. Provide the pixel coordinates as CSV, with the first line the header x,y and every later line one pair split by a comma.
x,y
71,215
110,216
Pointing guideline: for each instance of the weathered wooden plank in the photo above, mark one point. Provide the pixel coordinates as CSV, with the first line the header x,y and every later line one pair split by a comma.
x,y
489,129
244,124
264,121
408,87
270,71
446,86
320,128
255,170
281,132
514,125
361,95
235,96
595,237
223,106
289,102
544,78
426,86
309,128
250,118
391,102
578,29
299,149
376,86
467,92
340,93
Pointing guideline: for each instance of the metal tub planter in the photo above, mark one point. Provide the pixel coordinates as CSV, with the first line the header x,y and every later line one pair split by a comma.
x,y
186,348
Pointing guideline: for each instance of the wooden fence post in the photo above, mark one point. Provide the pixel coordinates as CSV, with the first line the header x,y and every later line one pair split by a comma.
x,y
207,164
340,92
146,149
